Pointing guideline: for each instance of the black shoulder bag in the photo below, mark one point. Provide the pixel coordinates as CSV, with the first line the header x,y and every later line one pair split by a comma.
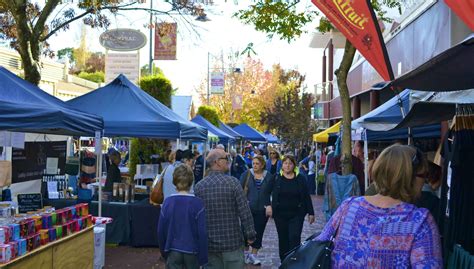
x,y
311,254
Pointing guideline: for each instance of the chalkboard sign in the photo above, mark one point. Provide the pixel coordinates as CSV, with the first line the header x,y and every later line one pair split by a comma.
x,y
29,202
29,163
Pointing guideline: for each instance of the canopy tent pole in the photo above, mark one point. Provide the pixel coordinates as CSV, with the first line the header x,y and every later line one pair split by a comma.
x,y
366,160
204,159
402,110
98,152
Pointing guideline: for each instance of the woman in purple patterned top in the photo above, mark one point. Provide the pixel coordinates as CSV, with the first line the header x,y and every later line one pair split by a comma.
x,y
386,230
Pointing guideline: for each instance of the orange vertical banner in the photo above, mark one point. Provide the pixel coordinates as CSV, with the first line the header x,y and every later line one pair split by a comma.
x,y
464,9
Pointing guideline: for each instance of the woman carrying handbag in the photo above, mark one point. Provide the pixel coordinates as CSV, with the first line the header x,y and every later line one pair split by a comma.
x,y
387,230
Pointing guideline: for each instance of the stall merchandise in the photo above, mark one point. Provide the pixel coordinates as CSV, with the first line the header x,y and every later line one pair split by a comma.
x,y
25,233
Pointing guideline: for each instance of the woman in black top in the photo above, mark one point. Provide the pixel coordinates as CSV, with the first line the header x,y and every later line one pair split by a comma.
x,y
290,203
113,172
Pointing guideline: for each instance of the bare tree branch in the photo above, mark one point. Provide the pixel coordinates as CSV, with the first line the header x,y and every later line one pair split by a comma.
x,y
40,23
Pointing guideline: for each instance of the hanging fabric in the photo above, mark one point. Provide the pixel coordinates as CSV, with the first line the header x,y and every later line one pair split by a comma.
x,y
459,183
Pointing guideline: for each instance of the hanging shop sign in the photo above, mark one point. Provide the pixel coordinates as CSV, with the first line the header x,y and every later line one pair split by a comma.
x,y
217,82
123,39
165,41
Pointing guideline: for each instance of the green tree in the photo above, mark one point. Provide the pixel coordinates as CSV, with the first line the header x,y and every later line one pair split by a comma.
x,y
66,52
279,17
97,77
145,70
210,114
28,24
290,116
142,148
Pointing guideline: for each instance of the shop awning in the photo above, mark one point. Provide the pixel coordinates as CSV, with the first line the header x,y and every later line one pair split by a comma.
x,y
322,137
129,111
223,137
249,133
436,107
26,108
450,70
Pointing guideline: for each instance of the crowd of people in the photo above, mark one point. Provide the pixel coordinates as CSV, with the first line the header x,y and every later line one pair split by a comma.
x,y
217,218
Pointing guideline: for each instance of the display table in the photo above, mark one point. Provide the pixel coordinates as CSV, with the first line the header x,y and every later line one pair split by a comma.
x,y
133,224
73,251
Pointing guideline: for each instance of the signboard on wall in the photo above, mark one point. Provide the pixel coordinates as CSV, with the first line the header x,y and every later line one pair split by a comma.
x,y
122,63
165,41
217,82
29,163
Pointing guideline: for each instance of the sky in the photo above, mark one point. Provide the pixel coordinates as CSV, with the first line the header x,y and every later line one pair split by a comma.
x,y
222,34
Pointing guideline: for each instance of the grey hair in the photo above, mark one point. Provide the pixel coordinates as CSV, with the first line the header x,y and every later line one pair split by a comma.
x,y
220,146
211,158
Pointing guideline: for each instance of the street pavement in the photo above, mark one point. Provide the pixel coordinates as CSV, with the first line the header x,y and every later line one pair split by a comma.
x,y
129,257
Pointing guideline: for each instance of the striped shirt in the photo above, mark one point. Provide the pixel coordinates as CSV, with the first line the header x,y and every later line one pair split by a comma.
x,y
226,207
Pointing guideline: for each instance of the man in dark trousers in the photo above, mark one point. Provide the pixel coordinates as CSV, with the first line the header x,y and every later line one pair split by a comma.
x,y
226,210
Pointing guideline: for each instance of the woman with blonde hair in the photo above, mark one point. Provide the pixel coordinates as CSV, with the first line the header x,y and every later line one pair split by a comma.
x,y
386,230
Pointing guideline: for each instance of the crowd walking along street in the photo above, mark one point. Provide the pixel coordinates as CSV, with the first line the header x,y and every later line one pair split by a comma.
x,y
214,134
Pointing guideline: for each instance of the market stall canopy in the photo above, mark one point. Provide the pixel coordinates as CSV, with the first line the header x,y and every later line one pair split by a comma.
x,y
271,138
228,130
436,107
450,70
249,133
386,116
26,108
323,136
129,111
223,137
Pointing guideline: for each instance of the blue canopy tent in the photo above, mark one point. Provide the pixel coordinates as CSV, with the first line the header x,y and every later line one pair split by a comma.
x,y
379,123
223,137
271,138
249,133
129,111
26,108
228,130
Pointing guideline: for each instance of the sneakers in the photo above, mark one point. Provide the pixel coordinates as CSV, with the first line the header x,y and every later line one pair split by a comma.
x,y
252,259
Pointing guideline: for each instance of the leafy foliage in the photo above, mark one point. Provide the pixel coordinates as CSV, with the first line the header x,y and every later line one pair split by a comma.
x,y
254,84
66,52
95,62
276,17
290,115
159,87
142,148
145,70
97,77
210,114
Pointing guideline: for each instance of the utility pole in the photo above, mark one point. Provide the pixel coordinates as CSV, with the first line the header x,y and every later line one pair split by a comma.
x,y
208,82
150,63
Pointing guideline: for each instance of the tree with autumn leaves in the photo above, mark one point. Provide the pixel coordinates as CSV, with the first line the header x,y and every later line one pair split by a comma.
x,y
286,21
271,100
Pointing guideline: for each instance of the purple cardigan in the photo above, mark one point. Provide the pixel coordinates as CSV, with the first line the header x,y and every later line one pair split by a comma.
x,y
182,226
372,237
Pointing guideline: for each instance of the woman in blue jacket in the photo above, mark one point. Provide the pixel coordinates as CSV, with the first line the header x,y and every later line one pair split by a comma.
x,y
273,165
254,182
